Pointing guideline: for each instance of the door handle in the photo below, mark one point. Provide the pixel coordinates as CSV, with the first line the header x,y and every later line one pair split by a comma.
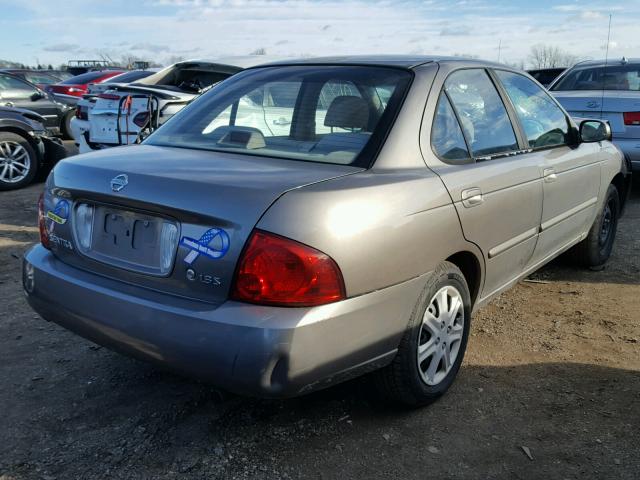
x,y
8,104
472,197
549,175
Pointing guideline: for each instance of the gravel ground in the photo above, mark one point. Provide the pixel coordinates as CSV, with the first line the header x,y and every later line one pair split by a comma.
x,y
550,389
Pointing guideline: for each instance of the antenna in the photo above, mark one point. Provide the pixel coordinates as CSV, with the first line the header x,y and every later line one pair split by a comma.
x,y
499,49
604,70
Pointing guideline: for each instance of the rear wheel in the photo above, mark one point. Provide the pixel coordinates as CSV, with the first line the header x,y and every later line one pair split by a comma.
x,y
433,346
596,249
18,161
66,125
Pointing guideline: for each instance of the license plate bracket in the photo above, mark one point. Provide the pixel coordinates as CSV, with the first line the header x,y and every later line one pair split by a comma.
x,y
127,239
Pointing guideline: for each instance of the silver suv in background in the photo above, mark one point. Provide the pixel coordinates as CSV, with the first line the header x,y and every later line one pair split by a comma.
x,y
397,195
609,91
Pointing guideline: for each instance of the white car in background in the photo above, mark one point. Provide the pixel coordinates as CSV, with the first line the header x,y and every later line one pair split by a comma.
x,y
80,122
124,114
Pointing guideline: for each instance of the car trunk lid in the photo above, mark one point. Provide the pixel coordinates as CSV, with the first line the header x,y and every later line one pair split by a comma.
x,y
609,106
214,200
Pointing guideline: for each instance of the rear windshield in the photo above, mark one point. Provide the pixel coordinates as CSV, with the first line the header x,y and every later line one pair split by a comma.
x,y
85,78
611,77
331,114
129,77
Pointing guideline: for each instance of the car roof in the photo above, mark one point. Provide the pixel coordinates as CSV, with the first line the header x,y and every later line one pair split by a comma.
x,y
401,61
609,62
25,70
240,61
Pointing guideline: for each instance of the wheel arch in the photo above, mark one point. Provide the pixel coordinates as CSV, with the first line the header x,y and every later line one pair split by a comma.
x,y
470,267
27,137
622,182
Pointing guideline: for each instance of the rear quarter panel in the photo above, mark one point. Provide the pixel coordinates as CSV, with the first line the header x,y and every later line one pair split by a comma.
x,y
385,225
381,229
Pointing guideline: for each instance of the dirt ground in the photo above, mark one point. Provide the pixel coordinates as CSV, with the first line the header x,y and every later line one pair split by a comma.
x,y
553,369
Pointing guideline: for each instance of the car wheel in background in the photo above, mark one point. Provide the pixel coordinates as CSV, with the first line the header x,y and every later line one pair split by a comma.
x,y
66,125
596,249
18,161
433,346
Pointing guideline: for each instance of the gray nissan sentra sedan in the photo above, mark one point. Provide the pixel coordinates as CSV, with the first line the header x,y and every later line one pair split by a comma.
x,y
304,223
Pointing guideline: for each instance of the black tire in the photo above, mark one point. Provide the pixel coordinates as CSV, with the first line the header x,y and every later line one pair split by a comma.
x,y
65,128
401,381
596,249
9,140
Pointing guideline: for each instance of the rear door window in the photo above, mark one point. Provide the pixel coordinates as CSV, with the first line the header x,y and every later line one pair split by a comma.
x,y
447,139
544,123
482,114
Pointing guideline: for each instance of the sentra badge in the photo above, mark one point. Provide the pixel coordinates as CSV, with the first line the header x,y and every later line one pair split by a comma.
x,y
60,212
214,243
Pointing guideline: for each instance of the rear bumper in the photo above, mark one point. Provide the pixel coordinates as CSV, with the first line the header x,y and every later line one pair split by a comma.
x,y
248,349
631,149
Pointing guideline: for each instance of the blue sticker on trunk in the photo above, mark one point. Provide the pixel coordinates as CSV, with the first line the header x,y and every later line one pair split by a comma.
x,y
214,243
60,213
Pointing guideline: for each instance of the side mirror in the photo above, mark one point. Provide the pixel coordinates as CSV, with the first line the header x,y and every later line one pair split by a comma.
x,y
35,96
595,131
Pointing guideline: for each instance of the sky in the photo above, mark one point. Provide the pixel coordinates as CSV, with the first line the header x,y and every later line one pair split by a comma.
x,y
54,31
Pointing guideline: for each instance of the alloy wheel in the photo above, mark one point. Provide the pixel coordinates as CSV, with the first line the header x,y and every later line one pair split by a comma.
x,y
15,162
440,335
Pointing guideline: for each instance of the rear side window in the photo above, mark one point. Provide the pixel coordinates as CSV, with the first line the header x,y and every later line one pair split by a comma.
x,y
35,77
544,123
482,114
12,83
447,140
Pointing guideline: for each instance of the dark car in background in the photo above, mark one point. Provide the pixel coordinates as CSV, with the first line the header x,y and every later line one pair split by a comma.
x,y
546,76
25,147
19,93
607,90
40,78
78,85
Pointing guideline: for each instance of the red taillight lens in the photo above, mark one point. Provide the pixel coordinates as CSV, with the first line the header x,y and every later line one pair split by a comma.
x,y
141,119
109,96
279,271
631,118
42,225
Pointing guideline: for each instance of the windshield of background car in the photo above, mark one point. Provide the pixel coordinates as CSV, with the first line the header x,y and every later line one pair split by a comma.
x,y
331,114
613,77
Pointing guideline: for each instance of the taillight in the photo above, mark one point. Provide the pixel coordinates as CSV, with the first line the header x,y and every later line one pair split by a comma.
x,y
109,96
42,225
84,225
631,118
279,271
141,119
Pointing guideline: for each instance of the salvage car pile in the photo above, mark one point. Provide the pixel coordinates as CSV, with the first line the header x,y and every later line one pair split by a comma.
x,y
305,222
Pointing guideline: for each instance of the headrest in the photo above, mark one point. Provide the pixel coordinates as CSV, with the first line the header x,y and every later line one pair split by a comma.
x,y
347,111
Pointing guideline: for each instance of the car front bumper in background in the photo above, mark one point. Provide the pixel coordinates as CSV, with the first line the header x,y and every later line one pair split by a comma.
x,y
248,349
